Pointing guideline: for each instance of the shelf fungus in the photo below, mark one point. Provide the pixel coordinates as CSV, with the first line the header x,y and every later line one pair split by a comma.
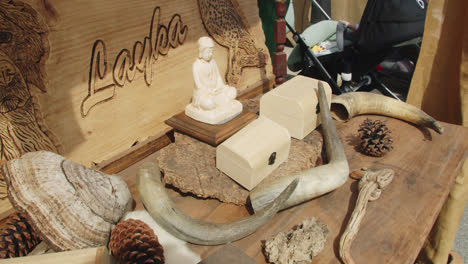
x,y
370,188
69,205
349,105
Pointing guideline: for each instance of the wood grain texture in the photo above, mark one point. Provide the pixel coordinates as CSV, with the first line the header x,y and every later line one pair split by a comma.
x,y
6,208
136,153
394,228
98,255
279,32
113,71
211,134
260,87
227,25
228,254
22,70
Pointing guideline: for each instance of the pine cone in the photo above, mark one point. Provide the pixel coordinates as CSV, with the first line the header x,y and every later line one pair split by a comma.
x,y
17,238
133,241
375,138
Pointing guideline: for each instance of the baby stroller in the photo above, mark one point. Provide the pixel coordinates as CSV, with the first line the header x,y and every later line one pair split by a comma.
x,y
385,46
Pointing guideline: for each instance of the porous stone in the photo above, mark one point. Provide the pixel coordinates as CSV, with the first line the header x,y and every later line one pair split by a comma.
x,y
190,166
297,246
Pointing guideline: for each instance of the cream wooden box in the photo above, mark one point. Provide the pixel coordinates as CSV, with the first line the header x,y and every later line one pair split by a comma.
x,y
254,152
294,105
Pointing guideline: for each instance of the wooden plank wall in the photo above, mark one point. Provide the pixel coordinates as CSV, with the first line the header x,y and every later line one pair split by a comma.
x,y
91,106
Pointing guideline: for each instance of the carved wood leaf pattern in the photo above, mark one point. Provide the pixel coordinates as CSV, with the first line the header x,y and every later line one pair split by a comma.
x,y
23,49
225,23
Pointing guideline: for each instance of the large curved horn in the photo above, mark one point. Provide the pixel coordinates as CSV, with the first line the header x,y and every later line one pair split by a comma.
x,y
183,226
348,105
315,181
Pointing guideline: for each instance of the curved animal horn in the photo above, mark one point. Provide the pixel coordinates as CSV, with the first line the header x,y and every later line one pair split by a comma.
x,y
315,181
348,105
183,226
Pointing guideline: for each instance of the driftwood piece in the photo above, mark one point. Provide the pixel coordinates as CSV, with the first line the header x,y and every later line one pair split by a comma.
x,y
298,245
189,165
370,188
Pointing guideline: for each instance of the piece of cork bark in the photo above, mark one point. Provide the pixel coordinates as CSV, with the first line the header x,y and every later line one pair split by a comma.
x,y
189,165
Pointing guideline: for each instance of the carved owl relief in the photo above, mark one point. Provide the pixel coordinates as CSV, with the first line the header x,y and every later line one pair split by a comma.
x,y
23,50
224,21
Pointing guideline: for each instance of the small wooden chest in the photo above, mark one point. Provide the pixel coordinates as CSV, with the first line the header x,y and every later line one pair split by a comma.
x,y
294,105
254,152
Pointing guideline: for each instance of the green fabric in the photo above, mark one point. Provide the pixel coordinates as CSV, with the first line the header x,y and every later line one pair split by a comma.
x,y
314,34
268,16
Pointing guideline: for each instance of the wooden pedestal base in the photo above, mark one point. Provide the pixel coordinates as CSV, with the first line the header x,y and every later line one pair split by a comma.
x,y
211,134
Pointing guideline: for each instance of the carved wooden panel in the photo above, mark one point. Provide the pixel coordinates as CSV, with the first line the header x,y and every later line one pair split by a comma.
x,y
105,74
24,49
127,64
225,22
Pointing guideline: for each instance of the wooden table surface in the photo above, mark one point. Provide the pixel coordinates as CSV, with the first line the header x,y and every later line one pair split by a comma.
x,y
394,227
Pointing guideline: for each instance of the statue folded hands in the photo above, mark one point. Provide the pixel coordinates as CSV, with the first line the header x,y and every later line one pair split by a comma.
x,y
213,101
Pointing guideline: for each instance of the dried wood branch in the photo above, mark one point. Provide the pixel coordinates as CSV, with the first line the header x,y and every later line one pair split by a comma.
x,y
370,188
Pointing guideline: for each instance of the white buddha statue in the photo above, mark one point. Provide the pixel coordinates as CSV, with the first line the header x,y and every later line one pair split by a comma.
x,y
213,102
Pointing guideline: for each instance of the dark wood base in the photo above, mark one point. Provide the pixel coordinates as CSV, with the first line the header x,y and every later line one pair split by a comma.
x,y
211,134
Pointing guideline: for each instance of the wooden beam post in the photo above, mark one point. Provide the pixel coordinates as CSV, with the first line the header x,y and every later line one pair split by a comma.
x,y
279,57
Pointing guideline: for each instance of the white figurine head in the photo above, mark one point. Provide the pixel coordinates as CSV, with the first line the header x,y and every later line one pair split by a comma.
x,y
205,48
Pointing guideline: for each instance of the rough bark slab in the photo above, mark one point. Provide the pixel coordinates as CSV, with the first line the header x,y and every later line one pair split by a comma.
x,y
252,104
190,166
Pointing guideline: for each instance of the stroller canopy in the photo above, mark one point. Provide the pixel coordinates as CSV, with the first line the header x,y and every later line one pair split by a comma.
x,y
386,23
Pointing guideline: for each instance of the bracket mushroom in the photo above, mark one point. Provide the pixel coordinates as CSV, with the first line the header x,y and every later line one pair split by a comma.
x,y
69,205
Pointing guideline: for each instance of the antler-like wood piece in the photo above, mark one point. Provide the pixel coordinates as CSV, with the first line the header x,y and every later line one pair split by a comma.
x,y
167,215
348,105
370,188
